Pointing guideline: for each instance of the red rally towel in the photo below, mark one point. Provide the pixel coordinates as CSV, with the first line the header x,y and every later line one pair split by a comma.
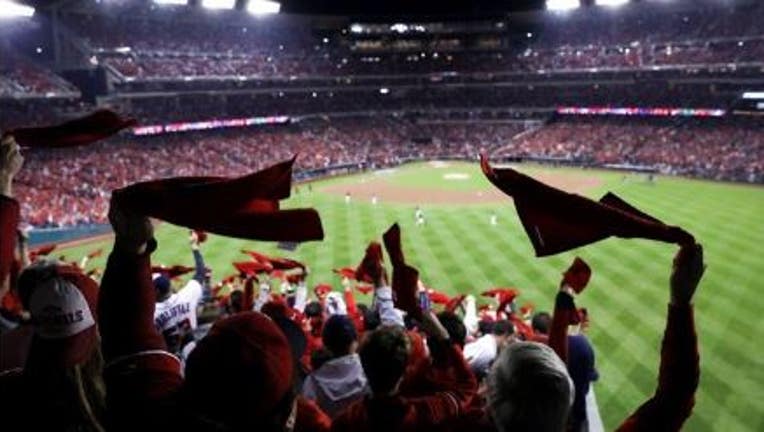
x,y
455,302
243,207
368,266
85,130
345,272
577,275
276,263
42,251
96,253
504,297
364,289
557,221
252,267
505,294
438,297
405,277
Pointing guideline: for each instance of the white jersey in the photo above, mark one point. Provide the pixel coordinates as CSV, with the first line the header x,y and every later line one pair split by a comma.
x,y
481,353
177,314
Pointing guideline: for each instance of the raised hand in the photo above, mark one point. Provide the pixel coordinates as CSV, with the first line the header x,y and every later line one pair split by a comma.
x,y
10,163
133,232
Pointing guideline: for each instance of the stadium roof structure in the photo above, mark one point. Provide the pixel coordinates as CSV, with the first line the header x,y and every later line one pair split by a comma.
x,y
384,9
369,7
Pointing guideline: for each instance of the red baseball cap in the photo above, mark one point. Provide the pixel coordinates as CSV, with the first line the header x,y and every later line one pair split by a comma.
x,y
241,371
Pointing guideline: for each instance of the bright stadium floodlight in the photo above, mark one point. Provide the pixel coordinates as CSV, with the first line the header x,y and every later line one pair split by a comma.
x,y
753,95
263,7
219,4
611,3
9,9
171,2
562,5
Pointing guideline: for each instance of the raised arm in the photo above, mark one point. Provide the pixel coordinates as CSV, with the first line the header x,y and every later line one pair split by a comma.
x,y
447,380
679,372
139,372
199,268
126,302
564,314
248,302
383,299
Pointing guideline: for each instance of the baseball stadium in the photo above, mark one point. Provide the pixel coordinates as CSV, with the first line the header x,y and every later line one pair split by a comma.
x,y
479,216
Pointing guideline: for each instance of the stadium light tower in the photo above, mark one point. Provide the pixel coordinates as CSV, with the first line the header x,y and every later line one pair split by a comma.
x,y
611,2
562,5
219,4
9,9
263,7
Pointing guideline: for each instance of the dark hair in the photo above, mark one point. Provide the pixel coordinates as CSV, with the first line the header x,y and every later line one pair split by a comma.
x,y
503,328
236,302
339,334
313,309
319,357
485,326
457,332
541,322
162,286
384,356
371,318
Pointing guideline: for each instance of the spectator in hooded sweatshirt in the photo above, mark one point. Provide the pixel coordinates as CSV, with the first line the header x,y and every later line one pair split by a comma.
x,y
340,380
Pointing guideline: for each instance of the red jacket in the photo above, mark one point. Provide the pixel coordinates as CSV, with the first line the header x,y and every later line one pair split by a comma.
x,y
451,388
9,222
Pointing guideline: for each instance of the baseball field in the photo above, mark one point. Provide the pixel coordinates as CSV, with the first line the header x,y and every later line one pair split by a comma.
x,y
458,250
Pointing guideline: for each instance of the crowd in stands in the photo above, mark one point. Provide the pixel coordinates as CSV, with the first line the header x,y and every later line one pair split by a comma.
x,y
21,76
128,351
721,150
154,64
71,186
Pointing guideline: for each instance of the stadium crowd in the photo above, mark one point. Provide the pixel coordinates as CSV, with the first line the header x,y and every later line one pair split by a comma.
x,y
21,76
719,150
69,187
138,353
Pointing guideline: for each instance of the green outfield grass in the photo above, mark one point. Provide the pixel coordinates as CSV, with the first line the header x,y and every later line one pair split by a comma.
x,y
458,251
